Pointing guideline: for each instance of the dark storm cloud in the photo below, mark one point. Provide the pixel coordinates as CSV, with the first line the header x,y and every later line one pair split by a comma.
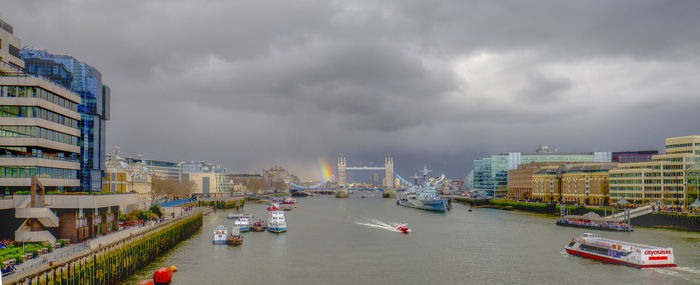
x,y
251,83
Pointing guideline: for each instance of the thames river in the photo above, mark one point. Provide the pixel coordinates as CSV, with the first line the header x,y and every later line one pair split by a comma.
x,y
346,241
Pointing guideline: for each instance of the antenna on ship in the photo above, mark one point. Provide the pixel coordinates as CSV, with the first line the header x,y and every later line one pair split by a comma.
x,y
425,172
415,178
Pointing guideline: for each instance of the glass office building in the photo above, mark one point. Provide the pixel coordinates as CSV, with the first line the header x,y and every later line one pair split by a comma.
x,y
491,173
86,81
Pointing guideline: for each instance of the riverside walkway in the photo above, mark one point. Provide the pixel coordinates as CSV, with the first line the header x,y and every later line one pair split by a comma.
x,y
74,250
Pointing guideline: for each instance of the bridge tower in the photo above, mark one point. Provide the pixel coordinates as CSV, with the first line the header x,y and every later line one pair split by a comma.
x,y
341,190
389,189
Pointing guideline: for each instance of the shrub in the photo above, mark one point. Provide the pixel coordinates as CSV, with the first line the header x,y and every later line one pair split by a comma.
x,y
144,215
156,210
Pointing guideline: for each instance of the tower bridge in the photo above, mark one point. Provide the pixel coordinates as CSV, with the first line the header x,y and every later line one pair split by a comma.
x,y
388,188
342,187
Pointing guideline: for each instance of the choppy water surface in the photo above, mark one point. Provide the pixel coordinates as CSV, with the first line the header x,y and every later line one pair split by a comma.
x,y
351,241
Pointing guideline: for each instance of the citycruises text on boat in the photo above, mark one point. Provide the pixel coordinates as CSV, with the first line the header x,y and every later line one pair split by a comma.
x,y
592,246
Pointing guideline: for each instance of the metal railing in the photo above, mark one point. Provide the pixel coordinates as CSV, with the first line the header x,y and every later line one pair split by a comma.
x,y
44,156
20,72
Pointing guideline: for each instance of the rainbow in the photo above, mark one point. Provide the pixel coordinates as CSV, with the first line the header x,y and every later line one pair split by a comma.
x,y
324,168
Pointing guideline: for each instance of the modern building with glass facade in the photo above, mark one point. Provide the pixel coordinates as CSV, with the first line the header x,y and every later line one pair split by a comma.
x,y
160,168
491,173
39,126
664,180
633,156
86,81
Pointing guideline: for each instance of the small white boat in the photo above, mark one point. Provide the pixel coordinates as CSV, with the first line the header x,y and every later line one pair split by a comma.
x,y
220,235
242,220
592,246
276,223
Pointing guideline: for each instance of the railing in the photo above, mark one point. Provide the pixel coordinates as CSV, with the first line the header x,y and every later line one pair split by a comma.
x,y
177,202
19,72
44,156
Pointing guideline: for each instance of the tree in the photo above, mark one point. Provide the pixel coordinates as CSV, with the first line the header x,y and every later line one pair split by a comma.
x,y
170,186
255,185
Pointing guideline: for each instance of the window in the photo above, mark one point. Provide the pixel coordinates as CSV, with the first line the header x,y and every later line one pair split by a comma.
x,y
14,51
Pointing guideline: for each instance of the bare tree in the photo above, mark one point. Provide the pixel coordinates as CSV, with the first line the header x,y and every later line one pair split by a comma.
x,y
171,187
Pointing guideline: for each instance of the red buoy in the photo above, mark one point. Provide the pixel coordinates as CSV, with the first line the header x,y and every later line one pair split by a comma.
x,y
145,282
162,276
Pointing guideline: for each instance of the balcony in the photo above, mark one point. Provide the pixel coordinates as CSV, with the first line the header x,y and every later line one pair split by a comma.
x,y
44,156
39,160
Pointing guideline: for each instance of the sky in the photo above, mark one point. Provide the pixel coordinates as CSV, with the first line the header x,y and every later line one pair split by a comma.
x,y
249,84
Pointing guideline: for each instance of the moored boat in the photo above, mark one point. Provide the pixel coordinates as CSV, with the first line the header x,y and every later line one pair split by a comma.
x,y
289,200
276,222
259,226
593,221
272,207
592,246
242,220
424,197
235,238
220,235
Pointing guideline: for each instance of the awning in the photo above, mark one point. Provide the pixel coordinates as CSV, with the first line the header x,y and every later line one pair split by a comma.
x,y
622,202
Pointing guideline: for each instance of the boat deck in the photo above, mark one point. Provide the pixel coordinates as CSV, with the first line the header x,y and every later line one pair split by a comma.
x,y
624,243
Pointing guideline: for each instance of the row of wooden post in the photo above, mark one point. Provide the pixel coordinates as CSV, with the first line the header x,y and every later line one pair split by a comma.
x,y
115,262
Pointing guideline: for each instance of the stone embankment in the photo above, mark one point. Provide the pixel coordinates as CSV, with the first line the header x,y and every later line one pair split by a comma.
x,y
114,257
666,220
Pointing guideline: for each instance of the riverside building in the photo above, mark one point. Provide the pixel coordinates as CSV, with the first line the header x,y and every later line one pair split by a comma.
x,y
39,137
39,126
520,179
663,180
207,177
580,183
86,81
491,173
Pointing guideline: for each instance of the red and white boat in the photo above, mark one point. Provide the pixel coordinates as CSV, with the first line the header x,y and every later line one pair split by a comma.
x,y
592,246
272,207
402,228
289,200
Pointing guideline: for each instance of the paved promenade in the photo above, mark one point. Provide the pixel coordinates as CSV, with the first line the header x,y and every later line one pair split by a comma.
x,y
78,249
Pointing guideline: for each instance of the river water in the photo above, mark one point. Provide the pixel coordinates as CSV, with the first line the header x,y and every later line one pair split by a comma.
x,y
346,241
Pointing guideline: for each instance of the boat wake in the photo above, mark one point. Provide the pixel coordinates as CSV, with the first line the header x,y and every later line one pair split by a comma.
x,y
689,274
375,223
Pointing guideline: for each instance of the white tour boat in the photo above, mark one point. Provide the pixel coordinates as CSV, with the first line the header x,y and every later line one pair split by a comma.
x,y
620,252
277,223
242,220
220,235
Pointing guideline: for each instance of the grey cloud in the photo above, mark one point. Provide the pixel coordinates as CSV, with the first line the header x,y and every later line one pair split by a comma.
x,y
252,83
544,90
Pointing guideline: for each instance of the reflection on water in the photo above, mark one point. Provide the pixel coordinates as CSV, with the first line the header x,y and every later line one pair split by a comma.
x,y
341,241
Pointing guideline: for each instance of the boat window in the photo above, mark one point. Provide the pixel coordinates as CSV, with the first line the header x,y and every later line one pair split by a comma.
x,y
572,244
594,249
